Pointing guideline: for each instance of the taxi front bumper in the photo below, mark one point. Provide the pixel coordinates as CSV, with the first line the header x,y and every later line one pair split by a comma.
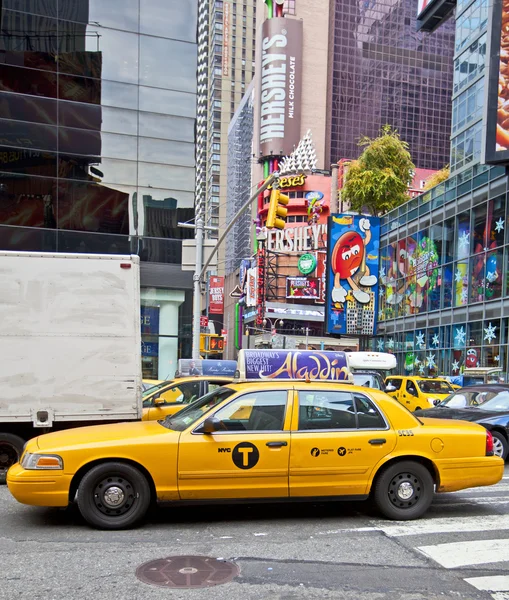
x,y
458,474
39,487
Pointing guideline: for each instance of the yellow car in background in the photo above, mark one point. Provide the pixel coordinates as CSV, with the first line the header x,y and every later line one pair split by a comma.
x,y
298,432
416,393
168,397
149,383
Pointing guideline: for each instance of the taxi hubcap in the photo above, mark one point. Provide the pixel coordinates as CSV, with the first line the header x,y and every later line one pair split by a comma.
x,y
114,496
498,449
405,490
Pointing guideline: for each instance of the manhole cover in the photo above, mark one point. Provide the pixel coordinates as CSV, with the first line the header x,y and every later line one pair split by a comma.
x,y
187,572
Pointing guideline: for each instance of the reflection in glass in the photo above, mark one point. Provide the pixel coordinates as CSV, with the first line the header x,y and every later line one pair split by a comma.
x,y
167,64
167,102
166,127
169,18
163,151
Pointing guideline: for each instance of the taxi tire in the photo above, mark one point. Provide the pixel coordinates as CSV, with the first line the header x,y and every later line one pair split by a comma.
x,y
500,439
124,474
404,470
13,444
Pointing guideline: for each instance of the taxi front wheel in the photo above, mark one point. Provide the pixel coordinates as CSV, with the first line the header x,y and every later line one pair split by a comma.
x,y
404,491
113,495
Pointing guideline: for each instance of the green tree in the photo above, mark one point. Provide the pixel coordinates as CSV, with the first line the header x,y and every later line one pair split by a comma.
x,y
438,177
378,181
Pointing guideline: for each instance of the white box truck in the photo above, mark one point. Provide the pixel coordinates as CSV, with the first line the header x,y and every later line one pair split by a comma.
x,y
70,344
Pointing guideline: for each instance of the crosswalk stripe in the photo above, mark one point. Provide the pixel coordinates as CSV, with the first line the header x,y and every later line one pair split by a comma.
x,y
446,525
495,583
460,554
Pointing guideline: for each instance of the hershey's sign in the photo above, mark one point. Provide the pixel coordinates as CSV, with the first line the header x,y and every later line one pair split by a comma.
x,y
297,239
280,100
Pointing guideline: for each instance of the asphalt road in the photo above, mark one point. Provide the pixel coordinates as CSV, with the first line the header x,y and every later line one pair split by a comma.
x,y
331,551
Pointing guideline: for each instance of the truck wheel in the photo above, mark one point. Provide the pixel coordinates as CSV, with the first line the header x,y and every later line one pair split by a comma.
x,y
113,495
499,445
403,491
11,449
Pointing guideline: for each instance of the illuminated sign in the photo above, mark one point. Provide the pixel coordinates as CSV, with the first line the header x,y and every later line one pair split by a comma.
x,y
297,239
495,147
280,95
307,264
291,181
352,274
305,288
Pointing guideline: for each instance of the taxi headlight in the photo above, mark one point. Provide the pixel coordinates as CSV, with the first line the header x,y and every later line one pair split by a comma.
x,y
42,461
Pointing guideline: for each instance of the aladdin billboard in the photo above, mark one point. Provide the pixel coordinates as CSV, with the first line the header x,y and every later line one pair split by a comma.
x,y
281,82
353,261
495,147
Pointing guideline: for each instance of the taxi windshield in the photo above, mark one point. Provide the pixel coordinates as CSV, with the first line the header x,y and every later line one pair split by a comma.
x,y
434,386
189,415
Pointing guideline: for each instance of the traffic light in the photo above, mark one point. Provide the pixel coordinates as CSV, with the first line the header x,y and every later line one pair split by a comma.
x,y
276,216
211,343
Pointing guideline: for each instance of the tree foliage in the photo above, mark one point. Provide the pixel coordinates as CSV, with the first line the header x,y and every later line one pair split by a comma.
x,y
438,177
378,181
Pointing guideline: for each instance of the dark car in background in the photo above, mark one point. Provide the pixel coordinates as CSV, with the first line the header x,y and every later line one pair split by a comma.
x,y
487,405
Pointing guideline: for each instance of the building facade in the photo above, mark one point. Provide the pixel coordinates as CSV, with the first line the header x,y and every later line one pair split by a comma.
x,y
384,72
444,275
98,144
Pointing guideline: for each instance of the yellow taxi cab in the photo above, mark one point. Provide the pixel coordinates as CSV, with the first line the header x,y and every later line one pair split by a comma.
x,y
417,393
169,397
149,383
290,427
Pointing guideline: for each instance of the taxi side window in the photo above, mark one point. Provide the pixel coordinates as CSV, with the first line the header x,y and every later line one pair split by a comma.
x,y
368,416
326,410
260,411
394,382
410,388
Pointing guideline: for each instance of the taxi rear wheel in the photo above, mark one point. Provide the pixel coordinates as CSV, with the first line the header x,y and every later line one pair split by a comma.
x,y
113,496
404,491
499,444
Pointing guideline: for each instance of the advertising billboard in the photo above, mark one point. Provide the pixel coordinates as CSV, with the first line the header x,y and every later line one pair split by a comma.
x,y
353,260
303,287
431,13
495,147
216,295
281,83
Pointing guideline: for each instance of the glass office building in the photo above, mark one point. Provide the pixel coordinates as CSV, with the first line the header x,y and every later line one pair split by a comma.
x,y
444,255
97,121
386,72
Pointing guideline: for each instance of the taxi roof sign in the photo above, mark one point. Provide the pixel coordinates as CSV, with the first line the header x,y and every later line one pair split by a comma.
x,y
382,361
293,365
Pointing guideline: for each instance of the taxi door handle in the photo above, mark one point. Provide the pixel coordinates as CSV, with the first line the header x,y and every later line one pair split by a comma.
x,y
377,441
276,444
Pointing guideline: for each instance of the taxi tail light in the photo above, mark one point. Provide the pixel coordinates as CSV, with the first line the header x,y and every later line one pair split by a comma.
x,y
489,443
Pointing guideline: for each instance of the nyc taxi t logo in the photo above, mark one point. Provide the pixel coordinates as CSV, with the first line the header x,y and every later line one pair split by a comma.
x,y
245,455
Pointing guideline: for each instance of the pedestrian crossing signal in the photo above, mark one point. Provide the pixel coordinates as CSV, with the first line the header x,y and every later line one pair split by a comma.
x,y
211,343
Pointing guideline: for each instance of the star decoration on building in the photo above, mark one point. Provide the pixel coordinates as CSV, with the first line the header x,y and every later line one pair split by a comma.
x,y
464,296
380,345
435,341
496,358
464,240
422,368
419,339
460,335
489,333
430,360
499,225
458,276
381,292
390,343
382,273
417,362
455,365
491,276
303,158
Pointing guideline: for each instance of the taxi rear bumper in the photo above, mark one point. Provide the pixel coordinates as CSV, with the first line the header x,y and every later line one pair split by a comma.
x,y
39,488
459,474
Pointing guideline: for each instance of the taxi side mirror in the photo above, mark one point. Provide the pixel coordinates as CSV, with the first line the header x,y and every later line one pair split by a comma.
x,y
390,388
210,425
436,402
158,401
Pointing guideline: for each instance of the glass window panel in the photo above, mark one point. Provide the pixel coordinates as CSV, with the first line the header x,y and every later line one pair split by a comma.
x,y
477,272
496,221
28,202
108,170
169,18
463,235
167,127
368,416
447,286
80,115
326,410
480,225
29,40
28,135
119,14
118,51
37,7
28,108
24,81
165,176
162,151
79,141
117,120
168,64
179,198
494,280
79,89
119,146
119,95
460,283
448,240
259,411
167,102
29,162
88,206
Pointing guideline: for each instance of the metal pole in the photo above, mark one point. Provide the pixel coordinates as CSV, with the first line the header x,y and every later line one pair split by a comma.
x,y
197,287
307,332
334,189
